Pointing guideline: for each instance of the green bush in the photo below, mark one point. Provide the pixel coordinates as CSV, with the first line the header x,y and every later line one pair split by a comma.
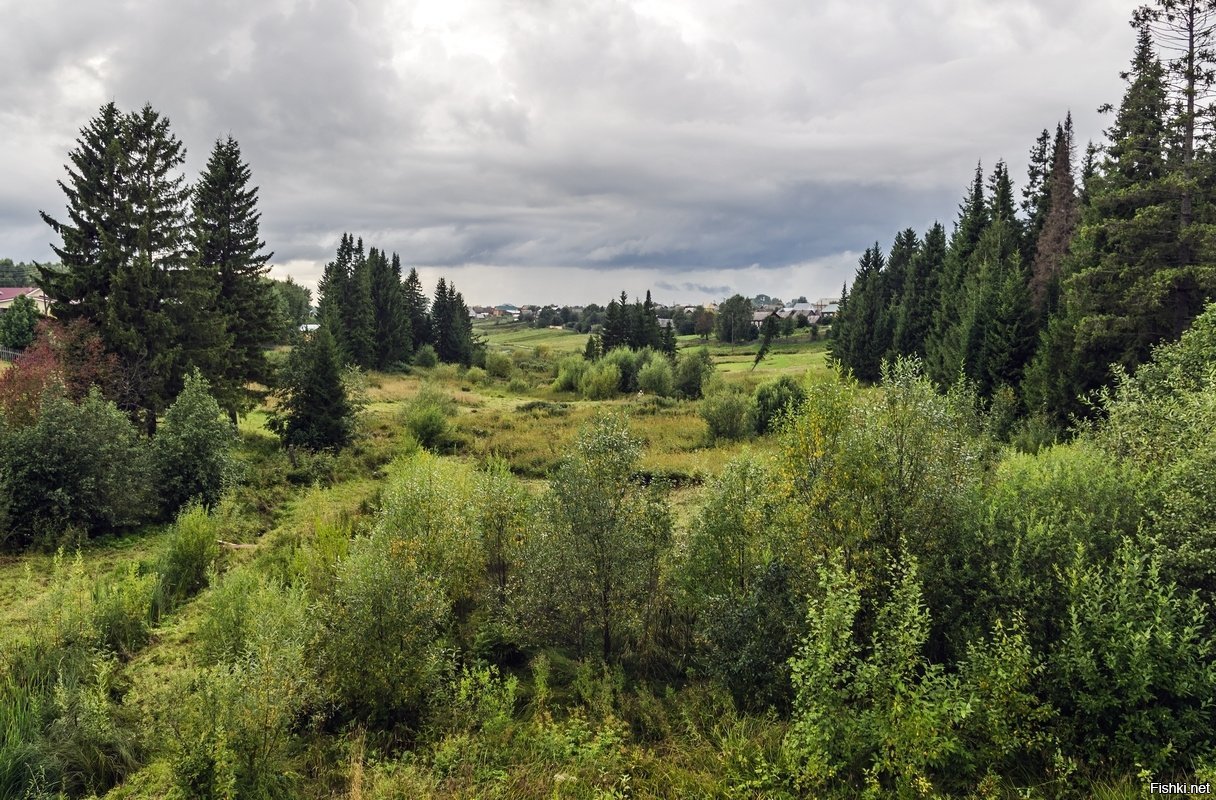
x,y
123,610
79,466
627,363
774,399
379,626
475,375
728,415
498,364
187,561
425,356
601,381
570,372
692,371
192,450
655,377
233,722
426,417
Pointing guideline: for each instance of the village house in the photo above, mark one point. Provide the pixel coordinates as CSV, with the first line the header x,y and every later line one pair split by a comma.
x,y
8,294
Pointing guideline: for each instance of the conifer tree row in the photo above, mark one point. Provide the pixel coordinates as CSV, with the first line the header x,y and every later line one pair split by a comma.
x,y
171,276
378,320
635,326
1094,273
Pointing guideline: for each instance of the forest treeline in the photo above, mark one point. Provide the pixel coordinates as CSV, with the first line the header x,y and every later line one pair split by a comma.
x,y
1103,262
890,603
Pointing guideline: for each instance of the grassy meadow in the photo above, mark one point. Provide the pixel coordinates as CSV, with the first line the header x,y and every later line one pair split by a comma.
x,y
223,689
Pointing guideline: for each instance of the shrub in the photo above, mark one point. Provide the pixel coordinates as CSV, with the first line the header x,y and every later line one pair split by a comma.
x,y
426,356
314,412
122,611
192,450
79,466
655,378
570,372
378,632
692,371
627,362
192,551
475,375
728,415
774,399
233,722
498,364
426,417
602,381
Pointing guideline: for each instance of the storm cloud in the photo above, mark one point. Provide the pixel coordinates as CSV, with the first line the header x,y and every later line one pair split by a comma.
x,y
538,151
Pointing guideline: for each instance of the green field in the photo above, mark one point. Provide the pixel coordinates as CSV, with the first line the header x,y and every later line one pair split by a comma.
x,y
520,336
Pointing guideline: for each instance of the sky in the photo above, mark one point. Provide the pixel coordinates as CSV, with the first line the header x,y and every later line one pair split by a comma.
x,y
538,151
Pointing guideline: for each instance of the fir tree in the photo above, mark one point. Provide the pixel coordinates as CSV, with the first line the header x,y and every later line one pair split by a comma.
x,y
416,311
1052,245
332,290
314,412
943,355
228,255
143,324
93,237
394,338
358,311
915,308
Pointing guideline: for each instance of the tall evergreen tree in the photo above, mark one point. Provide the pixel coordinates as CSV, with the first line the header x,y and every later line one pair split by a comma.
x,y
314,411
1052,244
860,315
916,303
332,290
417,311
894,284
943,352
1128,283
1036,196
94,239
359,313
394,338
228,254
143,324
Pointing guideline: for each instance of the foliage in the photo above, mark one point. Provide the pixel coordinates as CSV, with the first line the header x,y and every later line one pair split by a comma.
x,y
774,400
378,629
655,377
601,381
18,322
186,563
590,575
425,356
191,453
570,372
728,414
498,365
692,372
78,467
426,417
314,411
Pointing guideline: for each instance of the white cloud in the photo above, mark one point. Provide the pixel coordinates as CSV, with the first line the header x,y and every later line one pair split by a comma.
x,y
647,140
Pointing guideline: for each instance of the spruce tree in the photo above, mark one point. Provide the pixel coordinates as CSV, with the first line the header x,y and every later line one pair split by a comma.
x,y
94,240
417,311
394,337
313,411
915,308
854,343
894,284
228,255
1036,196
441,322
358,311
332,290
943,353
1052,244
143,324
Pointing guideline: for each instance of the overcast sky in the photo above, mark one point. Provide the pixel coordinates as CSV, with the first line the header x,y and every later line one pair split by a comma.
x,y
546,151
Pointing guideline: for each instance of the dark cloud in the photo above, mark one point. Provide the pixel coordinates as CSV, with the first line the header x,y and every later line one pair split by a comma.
x,y
541,146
